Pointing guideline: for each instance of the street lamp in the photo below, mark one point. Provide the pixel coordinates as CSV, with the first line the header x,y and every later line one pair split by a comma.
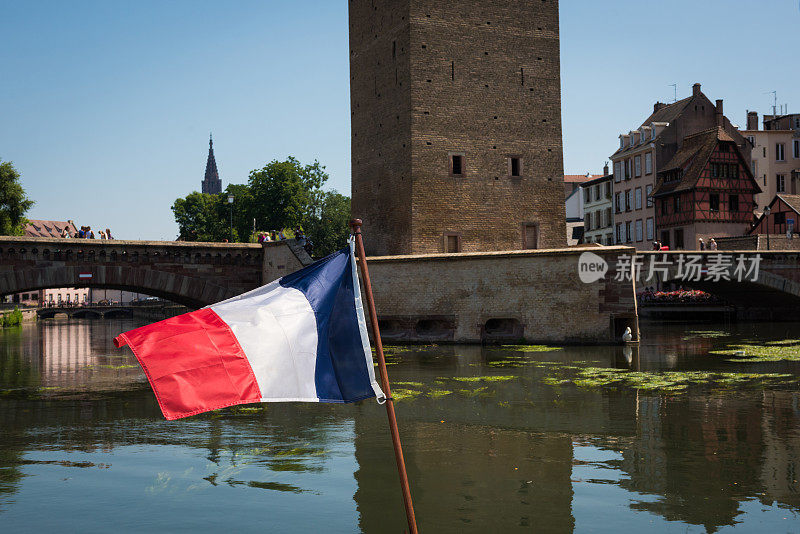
x,y
230,203
766,219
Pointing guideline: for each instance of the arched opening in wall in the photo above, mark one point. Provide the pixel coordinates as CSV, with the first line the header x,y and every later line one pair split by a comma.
x,y
619,323
392,329
501,329
435,328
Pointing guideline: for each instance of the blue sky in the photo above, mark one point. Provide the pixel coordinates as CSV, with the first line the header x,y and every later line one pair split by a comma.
x,y
106,107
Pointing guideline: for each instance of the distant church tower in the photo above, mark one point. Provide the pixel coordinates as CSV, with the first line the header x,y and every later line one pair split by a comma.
x,y
456,125
211,184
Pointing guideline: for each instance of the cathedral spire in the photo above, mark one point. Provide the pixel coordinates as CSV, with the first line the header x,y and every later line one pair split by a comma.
x,y
211,183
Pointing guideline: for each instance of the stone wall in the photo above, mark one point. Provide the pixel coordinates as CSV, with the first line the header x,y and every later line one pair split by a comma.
x,y
500,296
758,242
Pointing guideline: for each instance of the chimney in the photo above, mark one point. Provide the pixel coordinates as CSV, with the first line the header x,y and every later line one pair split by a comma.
x,y
605,169
657,106
696,89
720,116
752,120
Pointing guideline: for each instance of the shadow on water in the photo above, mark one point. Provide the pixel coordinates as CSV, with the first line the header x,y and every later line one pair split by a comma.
x,y
496,439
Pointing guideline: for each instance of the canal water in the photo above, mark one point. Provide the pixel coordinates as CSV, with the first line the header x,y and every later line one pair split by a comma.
x,y
670,437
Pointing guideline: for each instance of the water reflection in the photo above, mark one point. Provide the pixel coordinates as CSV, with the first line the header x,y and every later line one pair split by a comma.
x,y
506,453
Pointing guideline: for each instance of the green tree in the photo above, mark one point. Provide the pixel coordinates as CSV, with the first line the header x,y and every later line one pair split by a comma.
x,y
199,217
329,225
285,192
13,201
242,211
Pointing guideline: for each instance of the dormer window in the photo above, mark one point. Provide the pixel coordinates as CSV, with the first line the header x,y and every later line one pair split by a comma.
x,y
630,139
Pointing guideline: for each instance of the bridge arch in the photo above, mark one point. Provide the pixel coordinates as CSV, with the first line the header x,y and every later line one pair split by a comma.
x,y
190,291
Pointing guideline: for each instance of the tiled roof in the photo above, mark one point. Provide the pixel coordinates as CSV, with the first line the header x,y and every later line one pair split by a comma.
x,y
40,228
793,201
600,179
669,112
580,178
692,157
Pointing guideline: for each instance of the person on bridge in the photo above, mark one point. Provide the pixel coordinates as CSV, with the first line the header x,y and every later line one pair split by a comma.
x,y
702,244
712,245
108,234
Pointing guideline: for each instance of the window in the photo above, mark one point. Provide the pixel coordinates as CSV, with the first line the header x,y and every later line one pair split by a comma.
x,y
515,166
76,298
608,217
764,152
648,163
59,298
664,207
638,198
627,169
752,140
779,218
796,149
608,189
628,233
679,238
630,140
650,229
67,297
733,201
713,201
457,164
597,219
734,171
779,155
714,170
781,183
637,165
648,193
639,233
621,141
587,195
618,201
676,204
617,172
452,242
628,200
596,192
797,122
587,223
619,232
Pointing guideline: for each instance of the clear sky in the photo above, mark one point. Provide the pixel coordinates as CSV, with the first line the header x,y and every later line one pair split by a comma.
x,y
106,106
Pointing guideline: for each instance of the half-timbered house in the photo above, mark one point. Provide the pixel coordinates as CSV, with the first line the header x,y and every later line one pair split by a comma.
x,y
783,217
706,190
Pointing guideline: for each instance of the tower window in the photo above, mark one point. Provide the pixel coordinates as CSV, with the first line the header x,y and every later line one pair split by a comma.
x,y
515,166
452,242
457,164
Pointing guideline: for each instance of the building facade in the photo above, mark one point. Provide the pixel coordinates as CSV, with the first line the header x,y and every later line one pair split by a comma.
x,y
456,125
783,217
598,219
644,151
775,155
705,191
211,184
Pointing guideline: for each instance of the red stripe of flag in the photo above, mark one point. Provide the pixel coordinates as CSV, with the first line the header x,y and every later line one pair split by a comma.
x,y
194,363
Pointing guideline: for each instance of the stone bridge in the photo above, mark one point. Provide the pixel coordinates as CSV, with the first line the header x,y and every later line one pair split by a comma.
x,y
189,273
768,280
90,312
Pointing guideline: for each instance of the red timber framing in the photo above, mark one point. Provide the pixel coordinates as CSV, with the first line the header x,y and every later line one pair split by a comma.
x,y
781,212
724,192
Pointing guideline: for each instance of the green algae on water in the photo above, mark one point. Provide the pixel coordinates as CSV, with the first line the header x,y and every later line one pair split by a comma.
x,y
528,348
772,351
668,381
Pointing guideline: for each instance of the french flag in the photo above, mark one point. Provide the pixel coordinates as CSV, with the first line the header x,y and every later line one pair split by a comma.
x,y
302,338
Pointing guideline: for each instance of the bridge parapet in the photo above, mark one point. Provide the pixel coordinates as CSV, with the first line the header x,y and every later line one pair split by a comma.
x,y
191,273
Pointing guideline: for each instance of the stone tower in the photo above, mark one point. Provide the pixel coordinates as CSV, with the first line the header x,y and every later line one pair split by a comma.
x,y
211,183
456,125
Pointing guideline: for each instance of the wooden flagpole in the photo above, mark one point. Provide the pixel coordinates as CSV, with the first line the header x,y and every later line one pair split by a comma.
x,y
376,335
